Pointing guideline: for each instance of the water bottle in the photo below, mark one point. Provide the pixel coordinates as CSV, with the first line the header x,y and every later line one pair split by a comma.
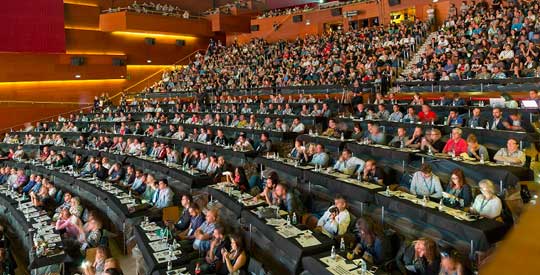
x,y
401,144
446,121
288,220
198,269
342,137
429,151
363,266
425,201
453,153
310,132
441,205
333,253
342,245
481,158
294,219
387,192
487,125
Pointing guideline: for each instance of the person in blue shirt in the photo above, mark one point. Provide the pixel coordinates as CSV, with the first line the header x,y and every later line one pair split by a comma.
x,y
320,158
286,199
203,234
454,119
163,196
30,184
187,236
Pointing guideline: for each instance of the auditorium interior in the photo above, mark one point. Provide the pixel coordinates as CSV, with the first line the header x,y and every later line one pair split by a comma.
x,y
312,137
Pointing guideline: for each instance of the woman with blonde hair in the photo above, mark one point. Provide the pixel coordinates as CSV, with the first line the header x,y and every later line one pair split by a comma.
x,y
487,204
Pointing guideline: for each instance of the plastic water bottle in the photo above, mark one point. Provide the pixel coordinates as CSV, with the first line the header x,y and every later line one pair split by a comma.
x,y
453,153
342,245
387,192
363,266
401,144
333,253
342,137
441,205
487,125
481,158
294,219
288,220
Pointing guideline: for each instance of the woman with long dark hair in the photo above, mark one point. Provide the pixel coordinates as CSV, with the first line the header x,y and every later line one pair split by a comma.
x,y
459,194
419,257
371,243
236,259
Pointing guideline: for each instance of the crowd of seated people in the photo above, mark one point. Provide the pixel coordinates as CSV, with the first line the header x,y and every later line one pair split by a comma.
x,y
162,9
365,55
483,41
227,8
286,11
79,227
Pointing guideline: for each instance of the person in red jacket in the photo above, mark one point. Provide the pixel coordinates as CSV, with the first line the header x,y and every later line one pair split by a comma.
x,y
427,115
456,144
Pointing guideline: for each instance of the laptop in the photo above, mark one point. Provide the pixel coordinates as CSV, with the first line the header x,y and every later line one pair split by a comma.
x,y
496,102
529,104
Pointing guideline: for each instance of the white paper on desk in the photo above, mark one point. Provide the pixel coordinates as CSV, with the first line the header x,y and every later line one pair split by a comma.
x,y
276,222
152,236
163,256
180,271
307,240
338,264
288,231
158,246
127,201
150,227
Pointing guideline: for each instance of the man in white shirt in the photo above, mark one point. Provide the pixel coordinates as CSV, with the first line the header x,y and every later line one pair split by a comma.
x,y
297,126
511,154
336,219
348,164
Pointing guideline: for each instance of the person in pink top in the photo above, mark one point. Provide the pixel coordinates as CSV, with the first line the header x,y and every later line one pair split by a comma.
x,y
456,144
69,224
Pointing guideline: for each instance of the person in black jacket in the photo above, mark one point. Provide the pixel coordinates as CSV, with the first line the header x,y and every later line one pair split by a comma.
x,y
419,257
265,144
185,218
101,172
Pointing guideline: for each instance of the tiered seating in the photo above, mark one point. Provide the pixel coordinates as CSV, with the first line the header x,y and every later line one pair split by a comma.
x,y
109,134
366,55
483,42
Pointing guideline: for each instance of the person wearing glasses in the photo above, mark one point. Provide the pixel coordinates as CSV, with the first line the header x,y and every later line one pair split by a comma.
x,y
487,204
425,183
456,145
432,141
458,192
511,154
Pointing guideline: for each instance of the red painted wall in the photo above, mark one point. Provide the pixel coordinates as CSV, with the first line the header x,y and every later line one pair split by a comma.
x,y
32,26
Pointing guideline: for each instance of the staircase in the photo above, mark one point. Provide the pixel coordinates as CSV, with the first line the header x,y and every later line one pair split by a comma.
x,y
416,57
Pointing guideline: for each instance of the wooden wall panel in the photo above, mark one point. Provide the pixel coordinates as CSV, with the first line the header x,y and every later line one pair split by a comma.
x,y
14,115
79,16
164,52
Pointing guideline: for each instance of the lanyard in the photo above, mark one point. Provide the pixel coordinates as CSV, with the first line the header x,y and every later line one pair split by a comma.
x,y
483,204
428,187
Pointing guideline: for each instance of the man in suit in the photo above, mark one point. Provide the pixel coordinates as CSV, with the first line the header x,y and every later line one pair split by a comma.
x,y
185,218
497,121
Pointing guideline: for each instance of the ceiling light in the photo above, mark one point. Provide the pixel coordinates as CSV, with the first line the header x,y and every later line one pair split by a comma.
x,y
77,76
148,61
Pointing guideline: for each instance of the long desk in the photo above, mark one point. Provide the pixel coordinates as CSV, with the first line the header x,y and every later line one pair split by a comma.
x,y
182,180
232,132
497,137
154,265
107,203
483,232
23,228
287,251
307,120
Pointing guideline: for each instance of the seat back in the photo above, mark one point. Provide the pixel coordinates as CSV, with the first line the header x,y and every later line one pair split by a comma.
x,y
91,254
171,213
